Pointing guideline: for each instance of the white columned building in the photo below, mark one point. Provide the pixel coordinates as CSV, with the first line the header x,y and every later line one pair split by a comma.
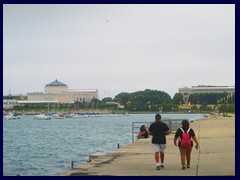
x,y
59,92
186,92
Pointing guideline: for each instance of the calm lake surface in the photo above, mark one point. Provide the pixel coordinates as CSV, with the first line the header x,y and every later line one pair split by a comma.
x,y
47,147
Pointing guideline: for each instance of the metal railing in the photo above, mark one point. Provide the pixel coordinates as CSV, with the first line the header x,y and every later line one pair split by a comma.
x,y
173,125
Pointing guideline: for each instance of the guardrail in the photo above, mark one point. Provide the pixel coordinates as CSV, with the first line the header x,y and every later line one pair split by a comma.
x,y
173,125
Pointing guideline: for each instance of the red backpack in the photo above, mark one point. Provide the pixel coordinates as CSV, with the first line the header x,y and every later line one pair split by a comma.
x,y
186,139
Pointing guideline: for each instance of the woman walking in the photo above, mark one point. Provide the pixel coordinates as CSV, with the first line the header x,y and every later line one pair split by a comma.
x,y
185,134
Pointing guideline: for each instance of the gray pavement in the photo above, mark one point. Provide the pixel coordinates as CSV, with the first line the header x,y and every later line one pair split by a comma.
x,y
216,156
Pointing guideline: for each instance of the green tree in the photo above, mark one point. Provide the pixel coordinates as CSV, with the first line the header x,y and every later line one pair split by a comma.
x,y
194,107
144,100
204,106
177,98
209,98
107,99
194,99
122,98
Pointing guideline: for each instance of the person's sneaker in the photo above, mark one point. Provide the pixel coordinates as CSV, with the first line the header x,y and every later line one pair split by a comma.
x,y
188,166
162,166
158,168
183,167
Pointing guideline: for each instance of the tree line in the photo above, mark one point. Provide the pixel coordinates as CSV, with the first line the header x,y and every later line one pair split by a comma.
x,y
149,100
154,100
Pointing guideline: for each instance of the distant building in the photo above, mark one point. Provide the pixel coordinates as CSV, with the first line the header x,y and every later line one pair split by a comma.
x,y
186,92
9,103
12,100
59,92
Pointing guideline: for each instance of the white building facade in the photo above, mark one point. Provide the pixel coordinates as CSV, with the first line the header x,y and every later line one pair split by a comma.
x,y
9,103
59,92
186,92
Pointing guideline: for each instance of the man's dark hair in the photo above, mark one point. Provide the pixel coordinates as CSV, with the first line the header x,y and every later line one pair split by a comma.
x,y
185,124
158,116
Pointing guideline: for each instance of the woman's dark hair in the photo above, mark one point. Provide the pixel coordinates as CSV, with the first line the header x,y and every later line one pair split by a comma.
x,y
185,124
142,128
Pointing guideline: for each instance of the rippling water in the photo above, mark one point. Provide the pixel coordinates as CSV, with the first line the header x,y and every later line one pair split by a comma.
x,y
47,147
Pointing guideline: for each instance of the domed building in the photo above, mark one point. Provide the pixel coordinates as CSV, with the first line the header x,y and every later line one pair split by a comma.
x,y
59,92
55,87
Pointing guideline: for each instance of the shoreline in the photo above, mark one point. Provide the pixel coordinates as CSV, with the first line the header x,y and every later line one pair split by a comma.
x,y
108,112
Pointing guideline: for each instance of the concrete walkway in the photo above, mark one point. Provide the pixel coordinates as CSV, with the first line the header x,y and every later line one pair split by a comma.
x,y
216,156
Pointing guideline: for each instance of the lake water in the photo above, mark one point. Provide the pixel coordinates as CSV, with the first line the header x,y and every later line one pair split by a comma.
x,y
47,147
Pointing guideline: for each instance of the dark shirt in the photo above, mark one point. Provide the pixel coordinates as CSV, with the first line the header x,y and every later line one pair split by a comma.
x,y
145,135
179,133
158,130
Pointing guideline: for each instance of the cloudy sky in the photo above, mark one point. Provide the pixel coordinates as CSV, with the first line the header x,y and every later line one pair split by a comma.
x,y
118,48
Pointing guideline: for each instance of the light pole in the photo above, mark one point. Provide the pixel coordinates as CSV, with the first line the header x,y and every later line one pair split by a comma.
x,y
128,103
226,105
149,105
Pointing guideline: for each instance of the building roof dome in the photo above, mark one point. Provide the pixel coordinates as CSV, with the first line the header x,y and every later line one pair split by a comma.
x,y
56,83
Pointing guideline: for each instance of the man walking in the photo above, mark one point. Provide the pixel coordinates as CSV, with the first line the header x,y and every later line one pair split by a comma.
x,y
159,130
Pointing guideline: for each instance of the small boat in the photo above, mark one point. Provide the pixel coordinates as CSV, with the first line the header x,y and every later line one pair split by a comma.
x,y
82,115
98,115
12,116
116,115
42,117
58,116
91,115
71,116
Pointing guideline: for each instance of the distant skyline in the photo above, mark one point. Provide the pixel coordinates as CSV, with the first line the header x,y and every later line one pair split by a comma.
x,y
118,48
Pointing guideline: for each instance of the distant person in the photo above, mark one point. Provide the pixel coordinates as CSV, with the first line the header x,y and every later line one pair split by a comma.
x,y
185,144
159,130
143,133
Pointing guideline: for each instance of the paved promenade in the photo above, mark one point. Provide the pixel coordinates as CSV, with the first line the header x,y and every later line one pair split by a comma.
x,y
216,155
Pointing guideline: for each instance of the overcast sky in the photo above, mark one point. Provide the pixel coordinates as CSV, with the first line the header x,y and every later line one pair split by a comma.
x,y
118,48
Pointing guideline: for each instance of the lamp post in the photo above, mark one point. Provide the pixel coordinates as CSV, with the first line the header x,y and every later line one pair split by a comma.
x,y
128,103
180,104
226,106
149,105
160,109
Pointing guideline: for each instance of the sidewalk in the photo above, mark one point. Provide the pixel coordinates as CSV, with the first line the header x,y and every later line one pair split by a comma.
x,y
216,156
